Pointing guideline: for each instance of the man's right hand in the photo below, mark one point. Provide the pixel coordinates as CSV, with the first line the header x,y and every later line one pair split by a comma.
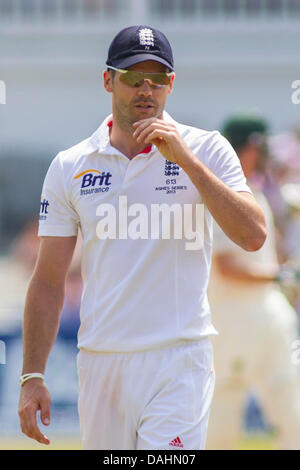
x,y
43,305
34,397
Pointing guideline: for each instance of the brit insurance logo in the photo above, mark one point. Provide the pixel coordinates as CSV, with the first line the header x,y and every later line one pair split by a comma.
x,y
44,208
94,181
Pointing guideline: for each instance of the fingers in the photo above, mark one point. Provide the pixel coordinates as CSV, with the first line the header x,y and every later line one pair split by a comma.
x,y
156,134
144,123
157,130
139,126
33,399
29,424
146,127
45,411
165,136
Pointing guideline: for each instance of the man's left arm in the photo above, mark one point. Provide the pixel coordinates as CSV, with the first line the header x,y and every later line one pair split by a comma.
x,y
237,213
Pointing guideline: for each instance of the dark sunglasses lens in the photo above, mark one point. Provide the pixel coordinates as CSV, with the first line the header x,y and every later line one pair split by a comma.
x,y
136,79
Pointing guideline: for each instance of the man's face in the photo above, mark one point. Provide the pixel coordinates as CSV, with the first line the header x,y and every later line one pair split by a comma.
x,y
133,104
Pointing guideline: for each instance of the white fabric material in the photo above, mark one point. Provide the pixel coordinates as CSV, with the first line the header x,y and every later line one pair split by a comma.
x,y
146,293
254,350
146,400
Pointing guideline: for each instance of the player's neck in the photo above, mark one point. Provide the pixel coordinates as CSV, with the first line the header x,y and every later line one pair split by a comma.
x,y
121,139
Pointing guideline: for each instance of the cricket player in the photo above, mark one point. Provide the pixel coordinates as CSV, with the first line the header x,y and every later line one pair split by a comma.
x,y
143,191
257,324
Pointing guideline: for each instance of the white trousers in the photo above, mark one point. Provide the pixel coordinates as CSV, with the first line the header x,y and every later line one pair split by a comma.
x,y
156,399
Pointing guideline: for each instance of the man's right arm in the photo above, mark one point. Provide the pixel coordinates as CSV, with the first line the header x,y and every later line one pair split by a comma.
x,y
44,302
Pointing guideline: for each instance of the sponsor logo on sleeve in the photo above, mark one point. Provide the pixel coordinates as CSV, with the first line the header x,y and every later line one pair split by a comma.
x,y
44,208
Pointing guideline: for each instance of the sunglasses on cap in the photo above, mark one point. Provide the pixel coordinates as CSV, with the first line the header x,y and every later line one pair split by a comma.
x,y
135,79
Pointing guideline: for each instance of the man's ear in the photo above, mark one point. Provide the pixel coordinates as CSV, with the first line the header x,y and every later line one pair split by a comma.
x,y
107,80
172,83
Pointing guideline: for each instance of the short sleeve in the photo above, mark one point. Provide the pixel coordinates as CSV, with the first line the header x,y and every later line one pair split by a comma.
x,y
57,216
223,161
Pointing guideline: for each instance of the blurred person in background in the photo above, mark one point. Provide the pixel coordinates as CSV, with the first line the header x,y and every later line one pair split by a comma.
x,y
257,323
281,185
285,149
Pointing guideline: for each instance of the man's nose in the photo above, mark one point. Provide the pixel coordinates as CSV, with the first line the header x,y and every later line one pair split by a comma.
x,y
145,89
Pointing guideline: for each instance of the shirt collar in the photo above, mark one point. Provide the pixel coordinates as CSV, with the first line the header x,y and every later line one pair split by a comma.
x,y
100,142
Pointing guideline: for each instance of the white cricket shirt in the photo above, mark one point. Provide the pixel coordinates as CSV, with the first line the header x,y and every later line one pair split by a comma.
x,y
142,290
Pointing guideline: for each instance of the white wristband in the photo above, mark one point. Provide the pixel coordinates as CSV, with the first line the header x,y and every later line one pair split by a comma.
x,y
33,375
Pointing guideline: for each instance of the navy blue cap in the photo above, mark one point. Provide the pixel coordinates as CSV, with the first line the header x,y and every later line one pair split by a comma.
x,y
139,43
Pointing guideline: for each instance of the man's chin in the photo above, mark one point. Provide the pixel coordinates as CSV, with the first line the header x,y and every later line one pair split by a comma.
x,y
145,113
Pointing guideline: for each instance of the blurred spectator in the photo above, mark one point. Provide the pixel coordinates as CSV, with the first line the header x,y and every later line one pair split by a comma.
x,y
268,180
286,151
257,324
285,170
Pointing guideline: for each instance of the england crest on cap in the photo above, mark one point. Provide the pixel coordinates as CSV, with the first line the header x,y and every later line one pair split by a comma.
x,y
146,37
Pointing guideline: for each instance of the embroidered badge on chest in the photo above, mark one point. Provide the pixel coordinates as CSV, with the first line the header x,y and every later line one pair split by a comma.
x,y
171,168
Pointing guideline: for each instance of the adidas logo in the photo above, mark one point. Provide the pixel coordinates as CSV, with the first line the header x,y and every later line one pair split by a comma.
x,y
176,442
